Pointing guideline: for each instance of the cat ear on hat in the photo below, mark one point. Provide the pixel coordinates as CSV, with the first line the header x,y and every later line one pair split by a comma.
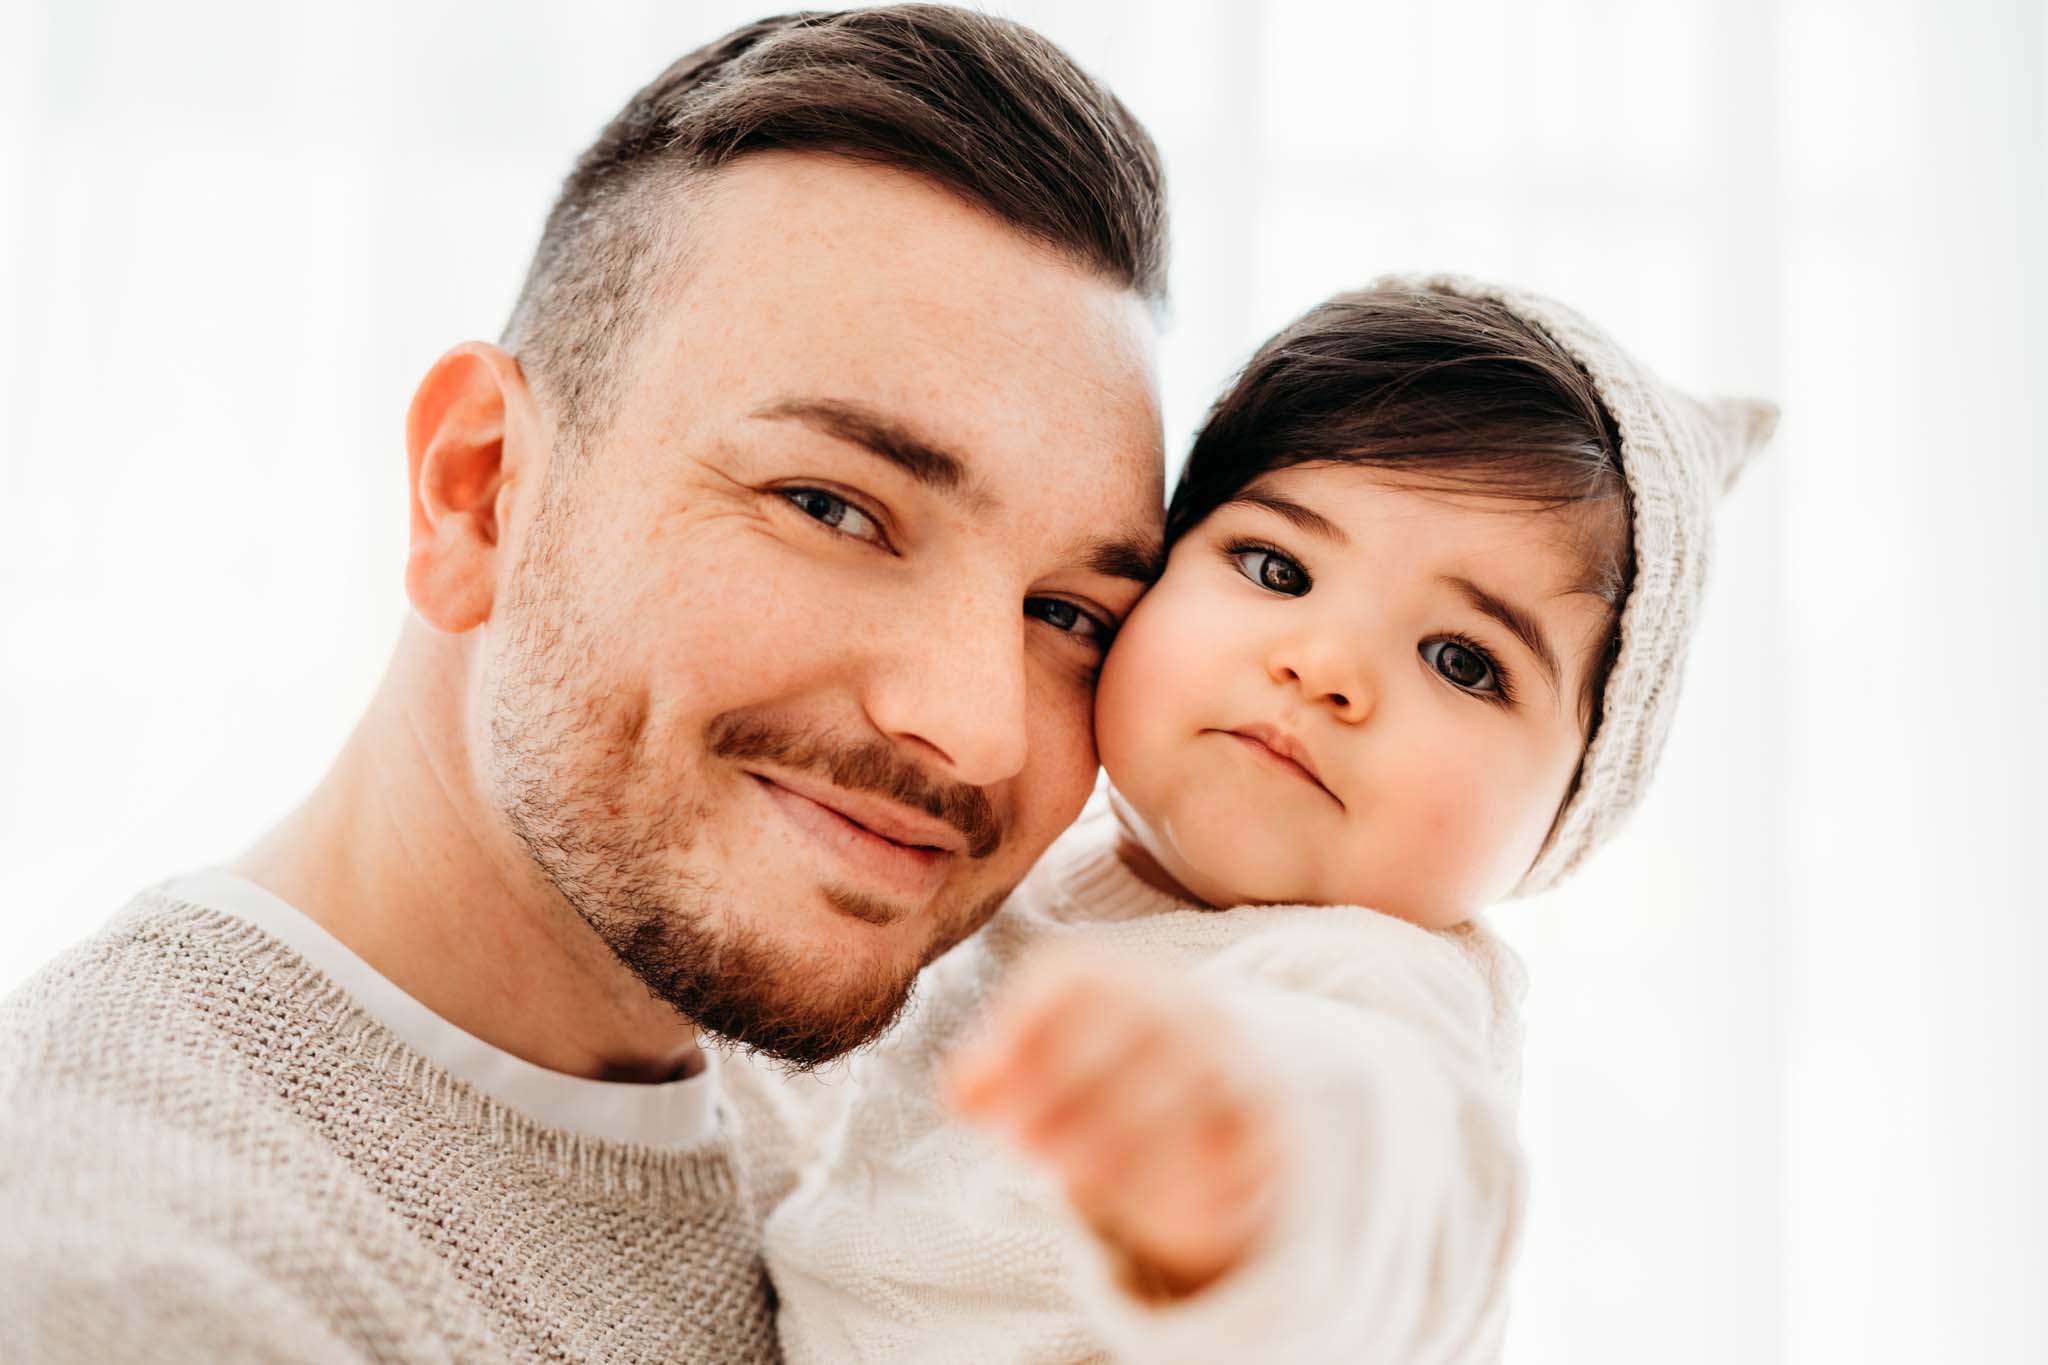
x,y
1744,427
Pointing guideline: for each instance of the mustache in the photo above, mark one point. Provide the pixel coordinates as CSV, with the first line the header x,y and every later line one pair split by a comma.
x,y
871,766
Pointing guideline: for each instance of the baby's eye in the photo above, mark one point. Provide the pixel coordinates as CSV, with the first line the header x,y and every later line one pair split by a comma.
x,y
1461,664
834,511
1071,620
1271,570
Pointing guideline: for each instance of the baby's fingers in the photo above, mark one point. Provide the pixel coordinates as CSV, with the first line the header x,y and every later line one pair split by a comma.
x,y
1051,1039
1133,1110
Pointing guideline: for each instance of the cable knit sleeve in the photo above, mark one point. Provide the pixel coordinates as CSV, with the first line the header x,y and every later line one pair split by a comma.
x,y
1404,1198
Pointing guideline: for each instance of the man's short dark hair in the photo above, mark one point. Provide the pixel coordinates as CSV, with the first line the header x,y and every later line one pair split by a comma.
x,y
979,106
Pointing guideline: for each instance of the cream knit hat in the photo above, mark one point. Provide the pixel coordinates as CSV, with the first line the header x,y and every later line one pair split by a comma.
x,y
1679,455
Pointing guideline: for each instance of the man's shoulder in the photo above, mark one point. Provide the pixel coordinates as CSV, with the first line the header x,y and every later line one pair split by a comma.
x,y
133,1065
151,980
139,1231
74,1289
164,1192
120,1053
184,1099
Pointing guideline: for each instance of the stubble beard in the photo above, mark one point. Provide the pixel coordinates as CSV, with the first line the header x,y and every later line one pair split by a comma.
x,y
561,765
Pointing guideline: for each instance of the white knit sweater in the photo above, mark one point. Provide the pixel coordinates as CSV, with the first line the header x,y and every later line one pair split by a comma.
x,y
914,1238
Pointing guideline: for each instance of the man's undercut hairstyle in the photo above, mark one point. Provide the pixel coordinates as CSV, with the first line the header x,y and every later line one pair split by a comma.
x,y
1451,395
976,105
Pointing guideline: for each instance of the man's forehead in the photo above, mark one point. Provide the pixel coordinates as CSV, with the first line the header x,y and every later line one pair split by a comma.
x,y
879,229
877,265
868,305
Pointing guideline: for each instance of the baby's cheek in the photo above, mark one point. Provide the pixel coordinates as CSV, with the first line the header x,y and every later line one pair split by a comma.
x,y
1454,846
1120,718
1140,701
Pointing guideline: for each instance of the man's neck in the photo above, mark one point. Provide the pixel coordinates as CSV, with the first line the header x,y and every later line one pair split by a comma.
x,y
396,854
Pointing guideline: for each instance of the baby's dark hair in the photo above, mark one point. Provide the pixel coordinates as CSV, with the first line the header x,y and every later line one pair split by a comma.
x,y
1456,396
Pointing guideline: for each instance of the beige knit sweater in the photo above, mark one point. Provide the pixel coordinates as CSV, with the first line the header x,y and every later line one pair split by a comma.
x,y
913,1238
209,1152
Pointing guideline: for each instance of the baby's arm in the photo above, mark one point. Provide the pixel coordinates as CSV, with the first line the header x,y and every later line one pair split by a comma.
x,y
1129,1083
1297,1153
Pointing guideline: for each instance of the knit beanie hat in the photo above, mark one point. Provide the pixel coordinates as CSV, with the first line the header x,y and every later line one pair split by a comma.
x,y
1678,455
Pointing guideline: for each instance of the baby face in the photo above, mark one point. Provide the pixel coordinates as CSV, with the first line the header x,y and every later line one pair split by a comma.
x,y
1348,691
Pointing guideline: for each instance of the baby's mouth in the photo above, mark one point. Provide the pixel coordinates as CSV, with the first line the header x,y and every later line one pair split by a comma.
x,y
1271,747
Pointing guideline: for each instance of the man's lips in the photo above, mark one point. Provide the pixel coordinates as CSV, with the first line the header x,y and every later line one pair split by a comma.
x,y
886,848
887,819
1281,751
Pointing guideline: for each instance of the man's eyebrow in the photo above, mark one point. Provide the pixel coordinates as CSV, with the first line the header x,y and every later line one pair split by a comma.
x,y
1138,558
878,434
1301,517
1521,624
1135,557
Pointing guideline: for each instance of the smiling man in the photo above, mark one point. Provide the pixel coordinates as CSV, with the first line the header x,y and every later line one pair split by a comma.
x,y
761,576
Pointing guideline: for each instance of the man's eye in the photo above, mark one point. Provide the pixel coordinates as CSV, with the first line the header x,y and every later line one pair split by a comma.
x,y
835,512
1461,664
1065,616
1271,570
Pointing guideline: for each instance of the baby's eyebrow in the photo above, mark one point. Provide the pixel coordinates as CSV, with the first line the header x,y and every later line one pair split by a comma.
x,y
1302,518
1519,623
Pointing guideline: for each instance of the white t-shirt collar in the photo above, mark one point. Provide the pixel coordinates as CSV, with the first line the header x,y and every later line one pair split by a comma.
x,y
669,1114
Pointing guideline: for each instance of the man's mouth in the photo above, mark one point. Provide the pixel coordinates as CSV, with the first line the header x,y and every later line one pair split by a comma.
x,y
883,848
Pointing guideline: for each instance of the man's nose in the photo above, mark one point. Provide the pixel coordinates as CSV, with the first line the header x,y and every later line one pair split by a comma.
x,y
1328,673
952,686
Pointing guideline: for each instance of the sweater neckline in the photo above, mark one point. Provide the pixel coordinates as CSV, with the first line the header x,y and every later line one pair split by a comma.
x,y
1092,883
296,1025
678,1113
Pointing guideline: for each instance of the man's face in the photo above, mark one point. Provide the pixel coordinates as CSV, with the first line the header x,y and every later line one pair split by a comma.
x,y
792,676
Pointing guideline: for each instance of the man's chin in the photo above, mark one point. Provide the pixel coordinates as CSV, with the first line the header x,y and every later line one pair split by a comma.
x,y
809,1030
802,988
808,1004
802,1004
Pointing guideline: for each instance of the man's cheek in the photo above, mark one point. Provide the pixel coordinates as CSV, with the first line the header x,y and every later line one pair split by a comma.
x,y
1059,759
751,645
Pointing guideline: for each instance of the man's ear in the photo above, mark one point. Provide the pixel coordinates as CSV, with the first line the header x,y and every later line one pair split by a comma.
x,y
458,473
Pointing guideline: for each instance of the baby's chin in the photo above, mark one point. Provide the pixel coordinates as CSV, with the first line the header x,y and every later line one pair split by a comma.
x,y
1244,878
1223,860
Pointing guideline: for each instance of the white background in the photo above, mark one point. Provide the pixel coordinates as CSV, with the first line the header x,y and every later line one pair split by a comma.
x,y
1785,1072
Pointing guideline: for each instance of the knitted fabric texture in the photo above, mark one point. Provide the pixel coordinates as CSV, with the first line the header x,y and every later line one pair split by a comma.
x,y
917,1240
209,1152
1678,455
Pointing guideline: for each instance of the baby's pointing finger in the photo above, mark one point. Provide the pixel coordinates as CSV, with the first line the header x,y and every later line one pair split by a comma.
x,y
1069,1061
1045,1041
982,1067
1118,1124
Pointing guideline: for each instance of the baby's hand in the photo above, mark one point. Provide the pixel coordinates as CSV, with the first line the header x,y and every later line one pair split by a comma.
x,y
1138,1092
